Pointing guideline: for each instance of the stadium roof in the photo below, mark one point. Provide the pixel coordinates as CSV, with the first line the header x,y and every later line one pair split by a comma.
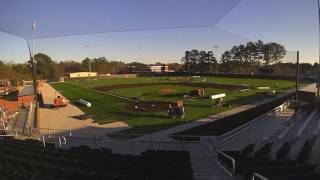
x,y
75,17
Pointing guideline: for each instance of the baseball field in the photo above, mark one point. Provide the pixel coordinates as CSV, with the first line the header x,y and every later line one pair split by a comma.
x,y
142,102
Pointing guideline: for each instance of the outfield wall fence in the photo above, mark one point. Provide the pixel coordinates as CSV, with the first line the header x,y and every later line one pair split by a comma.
x,y
115,76
255,76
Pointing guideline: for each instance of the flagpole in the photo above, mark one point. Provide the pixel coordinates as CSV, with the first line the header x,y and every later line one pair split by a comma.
x,y
33,29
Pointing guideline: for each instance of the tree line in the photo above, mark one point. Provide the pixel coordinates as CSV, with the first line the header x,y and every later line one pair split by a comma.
x,y
51,70
199,61
252,56
239,59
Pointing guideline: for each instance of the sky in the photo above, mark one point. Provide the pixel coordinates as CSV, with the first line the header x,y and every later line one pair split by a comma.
x,y
154,30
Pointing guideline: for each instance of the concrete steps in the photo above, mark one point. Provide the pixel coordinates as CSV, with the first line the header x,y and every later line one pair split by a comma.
x,y
204,166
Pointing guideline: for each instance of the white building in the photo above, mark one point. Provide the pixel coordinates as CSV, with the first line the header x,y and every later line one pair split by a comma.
x,y
81,74
151,68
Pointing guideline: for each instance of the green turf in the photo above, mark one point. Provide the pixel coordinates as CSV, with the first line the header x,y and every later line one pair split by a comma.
x,y
108,109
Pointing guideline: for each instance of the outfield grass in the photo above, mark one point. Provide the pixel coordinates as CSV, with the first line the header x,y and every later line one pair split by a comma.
x,y
107,109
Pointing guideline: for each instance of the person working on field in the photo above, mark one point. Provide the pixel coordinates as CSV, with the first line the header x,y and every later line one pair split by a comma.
x,y
176,110
219,102
58,102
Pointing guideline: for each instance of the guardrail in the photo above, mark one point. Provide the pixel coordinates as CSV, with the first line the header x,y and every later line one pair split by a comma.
x,y
229,170
27,125
228,137
123,146
257,176
225,139
61,140
136,147
54,132
9,133
306,123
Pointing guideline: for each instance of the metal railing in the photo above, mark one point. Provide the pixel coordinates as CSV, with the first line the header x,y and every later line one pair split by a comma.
x,y
27,121
257,176
9,133
54,132
229,170
44,140
227,138
136,147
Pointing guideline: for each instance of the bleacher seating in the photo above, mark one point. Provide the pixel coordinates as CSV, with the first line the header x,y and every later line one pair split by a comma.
x,y
284,150
280,169
306,149
29,160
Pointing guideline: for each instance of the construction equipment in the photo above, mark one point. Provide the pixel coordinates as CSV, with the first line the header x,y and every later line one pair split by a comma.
x,y
219,99
176,110
199,92
59,102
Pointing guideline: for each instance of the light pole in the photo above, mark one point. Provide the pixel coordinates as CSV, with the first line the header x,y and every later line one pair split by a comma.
x,y
89,60
215,50
34,77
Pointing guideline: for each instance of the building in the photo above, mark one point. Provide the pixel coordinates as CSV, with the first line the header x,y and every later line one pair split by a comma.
x,y
150,68
81,74
155,68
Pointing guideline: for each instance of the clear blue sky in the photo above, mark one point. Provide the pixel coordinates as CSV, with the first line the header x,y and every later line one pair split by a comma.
x,y
292,23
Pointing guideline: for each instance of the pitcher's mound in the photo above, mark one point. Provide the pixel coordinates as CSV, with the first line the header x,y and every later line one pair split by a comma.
x,y
167,90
